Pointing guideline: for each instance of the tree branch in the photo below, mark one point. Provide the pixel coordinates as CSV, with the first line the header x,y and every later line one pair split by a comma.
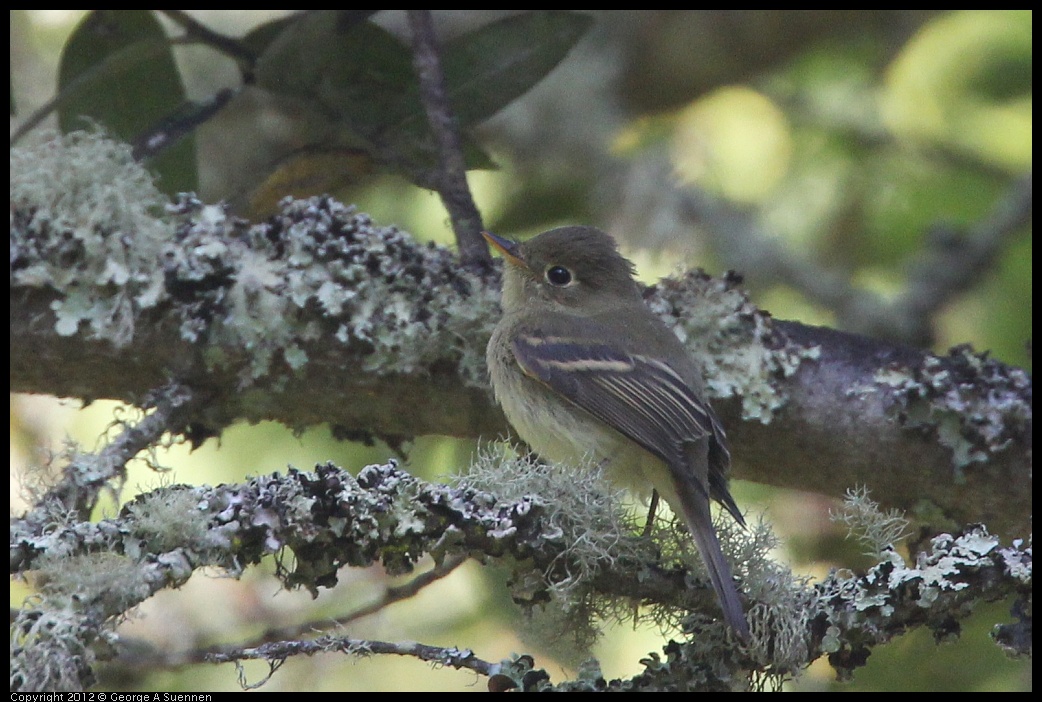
x,y
329,519
451,174
950,266
280,650
953,264
267,318
226,45
86,475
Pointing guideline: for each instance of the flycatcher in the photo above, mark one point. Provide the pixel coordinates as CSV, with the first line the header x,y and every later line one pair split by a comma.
x,y
583,369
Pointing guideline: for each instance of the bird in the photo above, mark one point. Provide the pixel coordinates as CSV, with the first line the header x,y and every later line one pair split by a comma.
x,y
583,369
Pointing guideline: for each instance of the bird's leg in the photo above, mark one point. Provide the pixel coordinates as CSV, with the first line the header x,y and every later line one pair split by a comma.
x,y
652,506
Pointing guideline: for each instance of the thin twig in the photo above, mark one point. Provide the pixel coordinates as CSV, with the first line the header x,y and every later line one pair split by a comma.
x,y
951,265
451,179
390,596
404,592
224,44
87,474
194,33
174,127
143,50
452,657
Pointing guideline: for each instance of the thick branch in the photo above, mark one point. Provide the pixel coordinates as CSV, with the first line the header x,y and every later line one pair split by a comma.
x,y
319,316
385,515
330,519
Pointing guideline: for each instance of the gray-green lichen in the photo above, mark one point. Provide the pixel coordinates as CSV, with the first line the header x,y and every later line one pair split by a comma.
x,y
586,518
595,528
321,270
741,354
52,650
86,221
958,571
976,406
88,224
876,530
585,514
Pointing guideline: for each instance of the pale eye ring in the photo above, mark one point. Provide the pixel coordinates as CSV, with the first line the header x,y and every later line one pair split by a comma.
x,y
558,276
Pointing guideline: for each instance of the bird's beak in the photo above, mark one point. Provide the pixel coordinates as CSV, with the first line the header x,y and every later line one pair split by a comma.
x,y
511,250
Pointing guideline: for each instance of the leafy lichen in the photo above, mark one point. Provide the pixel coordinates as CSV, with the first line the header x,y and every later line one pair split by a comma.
x,y
89,225
740,352
87,222
975,405
320,270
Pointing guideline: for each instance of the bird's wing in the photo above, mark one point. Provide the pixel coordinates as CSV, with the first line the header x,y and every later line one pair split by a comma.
x,y
646,400
640,397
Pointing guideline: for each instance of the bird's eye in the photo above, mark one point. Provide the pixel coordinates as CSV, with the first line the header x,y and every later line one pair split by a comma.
x,y
558,275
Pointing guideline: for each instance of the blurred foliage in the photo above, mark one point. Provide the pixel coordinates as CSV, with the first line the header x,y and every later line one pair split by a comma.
x,y
118,70
851,137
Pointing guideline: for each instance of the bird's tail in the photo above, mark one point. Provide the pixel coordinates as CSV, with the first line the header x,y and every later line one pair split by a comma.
x,y
719,570
694,504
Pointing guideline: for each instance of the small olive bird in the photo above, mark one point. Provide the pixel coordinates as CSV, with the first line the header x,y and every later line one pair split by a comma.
x,y
585,370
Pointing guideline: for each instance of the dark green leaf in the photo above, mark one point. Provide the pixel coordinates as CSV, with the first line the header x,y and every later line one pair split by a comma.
x,y
360,76
118,69
492,66
260,37
358,73
363,78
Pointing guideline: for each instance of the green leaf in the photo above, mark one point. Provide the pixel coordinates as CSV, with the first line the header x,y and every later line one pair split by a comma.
x,y
362,77
118,69
490,67
306,26
260,37
358,73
